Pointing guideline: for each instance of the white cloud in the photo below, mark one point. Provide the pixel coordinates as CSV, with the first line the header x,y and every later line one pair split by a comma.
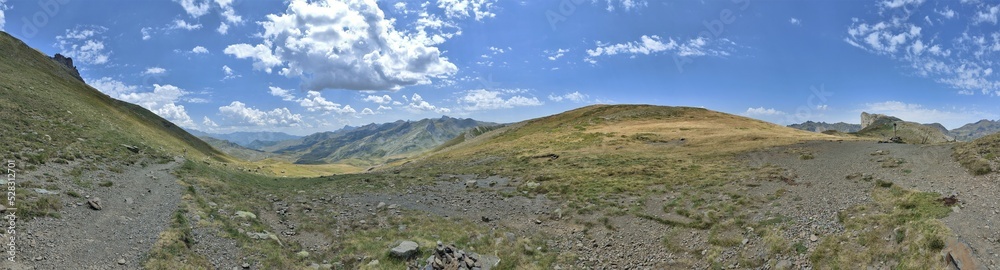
x,y
284,94
111,87
146,33
367,111
238,114
315,102
901,3
2,8
947,13
206,122
418,104
761,111
461,9
85,44
964,63
989,14
951,118
181,24
162,101
482,99
343,45
229,73
199,49
794,21
654,44
558,53
574,97
384,99
154,71
624,4
195,8
384,108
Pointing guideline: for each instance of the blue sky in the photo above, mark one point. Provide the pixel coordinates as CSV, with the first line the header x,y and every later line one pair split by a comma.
x,y
307,66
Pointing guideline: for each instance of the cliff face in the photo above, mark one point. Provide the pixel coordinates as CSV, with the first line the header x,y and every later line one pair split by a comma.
x,y
68,64
868,118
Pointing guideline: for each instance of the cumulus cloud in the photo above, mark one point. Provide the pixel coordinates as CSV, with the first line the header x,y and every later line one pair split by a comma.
x,y
574,97
418,104
181,24
481,99
384,99
367,111
195,8
761,111
229,73
111,87
162,101
284,94
461,9
989,14
199,49
647,45
558,53
85,44
206,122
343,45
239,114
154,71
315,102
2,8
794,21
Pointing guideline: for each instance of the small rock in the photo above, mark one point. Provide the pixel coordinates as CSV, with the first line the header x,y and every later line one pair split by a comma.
x,y
121,261
405,250
373,263
95,203
783,265
538,221
745,241
246,265
380,205
246,215
814,238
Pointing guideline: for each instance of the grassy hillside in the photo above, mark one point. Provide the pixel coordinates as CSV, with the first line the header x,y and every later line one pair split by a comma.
x,y
376,143
980,155
46,115
612,149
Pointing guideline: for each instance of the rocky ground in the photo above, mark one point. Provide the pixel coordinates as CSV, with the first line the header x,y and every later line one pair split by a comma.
x,y
141,201
134,210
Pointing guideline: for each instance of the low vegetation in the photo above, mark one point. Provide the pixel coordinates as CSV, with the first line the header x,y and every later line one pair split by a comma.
x,y
979,156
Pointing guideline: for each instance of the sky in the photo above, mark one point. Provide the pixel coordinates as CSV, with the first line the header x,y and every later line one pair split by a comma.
x,y
302,66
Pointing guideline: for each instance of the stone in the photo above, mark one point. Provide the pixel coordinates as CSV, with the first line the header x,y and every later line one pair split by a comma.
x,y
67,62
373,263
380,205
783,265
246,215
814,238
959,255
95,203
121,261
245,265
470,183
405,250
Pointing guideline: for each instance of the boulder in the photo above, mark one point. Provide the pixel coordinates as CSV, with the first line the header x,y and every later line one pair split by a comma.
x,y
246,215
959,256
405,250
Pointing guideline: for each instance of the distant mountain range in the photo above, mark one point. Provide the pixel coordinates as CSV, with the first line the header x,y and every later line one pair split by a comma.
x,y
248,139
823,126
374,143
976,130
967,132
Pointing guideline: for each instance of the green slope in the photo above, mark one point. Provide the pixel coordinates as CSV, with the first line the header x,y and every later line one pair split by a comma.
x,y
48,115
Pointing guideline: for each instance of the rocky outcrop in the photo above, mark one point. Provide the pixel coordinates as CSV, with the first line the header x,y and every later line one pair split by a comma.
x,y
869,118
68,64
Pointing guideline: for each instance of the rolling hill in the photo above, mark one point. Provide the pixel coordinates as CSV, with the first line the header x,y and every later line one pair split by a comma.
x,y
823,126
881,127
374,143
49,114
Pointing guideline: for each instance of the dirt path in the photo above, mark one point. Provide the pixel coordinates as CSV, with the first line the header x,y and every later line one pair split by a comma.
x,y
136,208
